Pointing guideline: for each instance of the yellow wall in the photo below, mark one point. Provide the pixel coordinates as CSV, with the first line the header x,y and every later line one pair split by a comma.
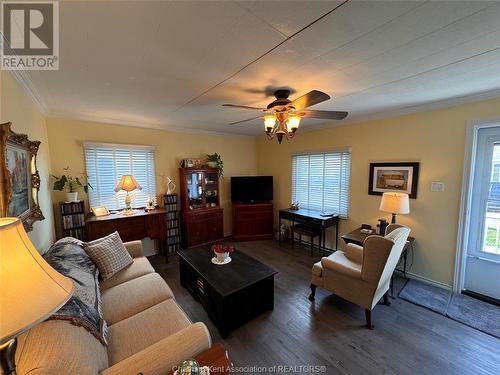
x,y
435,139
18,108
238,153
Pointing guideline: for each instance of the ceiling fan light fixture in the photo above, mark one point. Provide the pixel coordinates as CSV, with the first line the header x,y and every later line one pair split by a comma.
x,y
283,115
293,123
269,122
279,137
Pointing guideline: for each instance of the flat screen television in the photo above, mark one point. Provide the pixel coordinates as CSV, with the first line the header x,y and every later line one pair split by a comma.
x,y
252,189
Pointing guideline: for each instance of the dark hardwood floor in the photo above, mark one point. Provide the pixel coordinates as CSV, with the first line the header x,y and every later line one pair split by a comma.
x,y
407,339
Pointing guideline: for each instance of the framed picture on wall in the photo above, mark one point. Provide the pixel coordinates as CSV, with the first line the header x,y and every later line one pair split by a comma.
x,y
19,177
401,176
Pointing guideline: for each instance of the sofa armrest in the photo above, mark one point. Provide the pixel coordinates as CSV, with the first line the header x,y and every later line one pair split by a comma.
x,y
134,248
354,253
163,356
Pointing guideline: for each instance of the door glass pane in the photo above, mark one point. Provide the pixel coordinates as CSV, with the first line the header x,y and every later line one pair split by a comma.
x,y
195,190
211,191
491,242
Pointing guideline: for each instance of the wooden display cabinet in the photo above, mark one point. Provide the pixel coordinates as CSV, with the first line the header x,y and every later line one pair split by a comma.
x,y
202,220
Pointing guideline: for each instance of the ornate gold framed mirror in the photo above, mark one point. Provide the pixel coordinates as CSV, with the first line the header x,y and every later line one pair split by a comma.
x,y
19,178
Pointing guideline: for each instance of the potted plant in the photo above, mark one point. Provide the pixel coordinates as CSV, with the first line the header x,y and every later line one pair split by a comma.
x,y
215,161
72,183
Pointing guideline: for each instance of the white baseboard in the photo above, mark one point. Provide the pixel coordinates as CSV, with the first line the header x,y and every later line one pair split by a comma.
x,y
439,284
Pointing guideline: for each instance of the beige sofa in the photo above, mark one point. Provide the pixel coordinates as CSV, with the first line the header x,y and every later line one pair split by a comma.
x,y
148,331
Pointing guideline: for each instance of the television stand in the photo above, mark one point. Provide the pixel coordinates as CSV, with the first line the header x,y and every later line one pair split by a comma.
x,y
253,221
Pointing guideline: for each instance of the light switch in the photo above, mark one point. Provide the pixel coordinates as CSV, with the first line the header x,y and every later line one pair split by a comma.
x,y
437,186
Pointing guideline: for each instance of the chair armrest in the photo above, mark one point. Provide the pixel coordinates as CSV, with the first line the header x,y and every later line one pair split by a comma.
x,y
354,253
134,248
340,267
163,356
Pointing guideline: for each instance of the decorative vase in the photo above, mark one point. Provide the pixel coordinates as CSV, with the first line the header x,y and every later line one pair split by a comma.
x,y
221,257
212,164
72,197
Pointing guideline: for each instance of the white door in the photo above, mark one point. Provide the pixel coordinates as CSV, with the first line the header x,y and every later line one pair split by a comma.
x,y
482,267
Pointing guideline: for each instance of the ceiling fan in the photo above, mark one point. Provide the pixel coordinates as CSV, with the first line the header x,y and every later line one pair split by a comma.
x,y
282,116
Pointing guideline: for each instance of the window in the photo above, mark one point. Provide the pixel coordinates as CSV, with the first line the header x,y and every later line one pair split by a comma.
x,y
106,163
320,181
496,173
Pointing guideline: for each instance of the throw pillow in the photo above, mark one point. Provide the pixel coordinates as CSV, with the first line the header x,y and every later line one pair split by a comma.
x,y
109,254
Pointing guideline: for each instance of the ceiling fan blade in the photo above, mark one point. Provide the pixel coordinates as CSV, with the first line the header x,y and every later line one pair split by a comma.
x,y
243,106
311,98
248,119
332,115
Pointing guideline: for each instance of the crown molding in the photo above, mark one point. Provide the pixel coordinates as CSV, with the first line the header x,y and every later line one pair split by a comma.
x,y
23,77
141,125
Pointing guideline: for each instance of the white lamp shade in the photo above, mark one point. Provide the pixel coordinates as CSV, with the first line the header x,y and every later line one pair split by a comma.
x,y
30,289
395,203
127,183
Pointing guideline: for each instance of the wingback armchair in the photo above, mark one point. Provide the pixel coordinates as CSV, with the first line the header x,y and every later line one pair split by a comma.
x,y
362,274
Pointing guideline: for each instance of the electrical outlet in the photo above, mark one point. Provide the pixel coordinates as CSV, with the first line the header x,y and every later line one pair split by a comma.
x,y
437,186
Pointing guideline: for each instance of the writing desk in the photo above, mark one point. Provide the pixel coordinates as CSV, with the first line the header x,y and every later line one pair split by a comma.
x,y
313,219
141,224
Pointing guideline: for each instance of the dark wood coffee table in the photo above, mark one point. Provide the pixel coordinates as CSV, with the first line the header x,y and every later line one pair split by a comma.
x,y
231,294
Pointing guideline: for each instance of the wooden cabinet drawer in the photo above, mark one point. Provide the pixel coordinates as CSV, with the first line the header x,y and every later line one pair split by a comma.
x,y
131,229
202,227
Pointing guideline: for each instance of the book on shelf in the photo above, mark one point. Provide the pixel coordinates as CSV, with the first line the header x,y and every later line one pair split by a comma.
x,y
71,207
170,198
72,221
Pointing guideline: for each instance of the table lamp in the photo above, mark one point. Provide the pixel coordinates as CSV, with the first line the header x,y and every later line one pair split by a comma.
x,y
30,289
395,203
127,183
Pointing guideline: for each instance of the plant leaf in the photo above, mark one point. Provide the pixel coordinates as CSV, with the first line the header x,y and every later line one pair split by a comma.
x,y
60,183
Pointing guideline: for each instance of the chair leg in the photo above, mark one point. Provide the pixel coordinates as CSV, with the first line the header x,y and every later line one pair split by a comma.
x,y
368,316
293,237
312,244
386,299
313,292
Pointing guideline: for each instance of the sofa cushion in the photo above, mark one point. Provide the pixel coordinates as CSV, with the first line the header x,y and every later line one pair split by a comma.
x,y
138,268
109,254
133,334
56,347
133,296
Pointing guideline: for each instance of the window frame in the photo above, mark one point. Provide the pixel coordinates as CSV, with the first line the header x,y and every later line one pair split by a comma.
x,y
310,153
120,201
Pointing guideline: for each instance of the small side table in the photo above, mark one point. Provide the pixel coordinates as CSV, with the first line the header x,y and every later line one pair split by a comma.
x,y
217,359
357,237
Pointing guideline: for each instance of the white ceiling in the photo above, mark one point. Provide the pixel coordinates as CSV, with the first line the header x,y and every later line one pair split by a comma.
x,y
172,64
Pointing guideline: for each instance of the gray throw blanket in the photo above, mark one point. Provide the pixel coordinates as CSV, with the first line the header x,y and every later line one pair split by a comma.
x,y
83,309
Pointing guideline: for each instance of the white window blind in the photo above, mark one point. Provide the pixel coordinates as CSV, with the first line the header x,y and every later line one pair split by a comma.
x,y
320,181
107,163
